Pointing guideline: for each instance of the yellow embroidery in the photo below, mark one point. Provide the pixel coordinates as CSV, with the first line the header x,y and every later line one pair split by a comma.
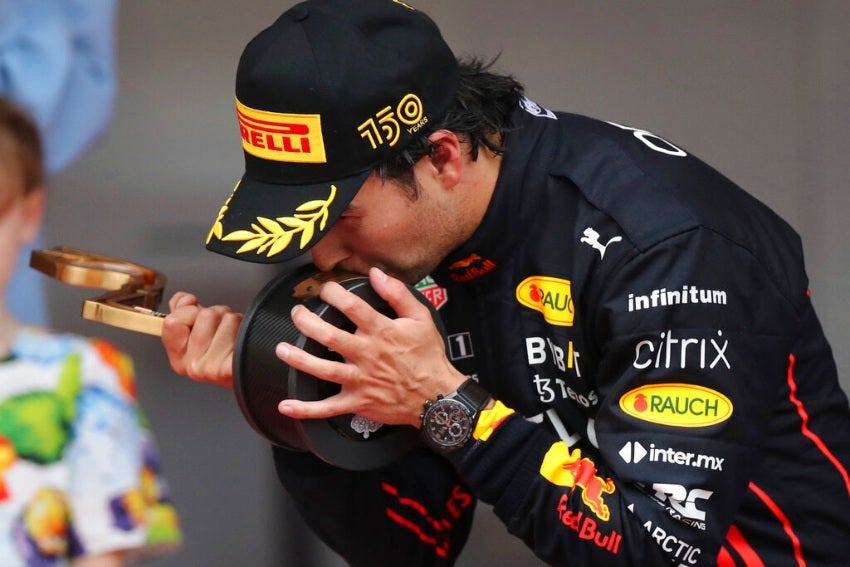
x,y
408,6
217,228
387,125
272,236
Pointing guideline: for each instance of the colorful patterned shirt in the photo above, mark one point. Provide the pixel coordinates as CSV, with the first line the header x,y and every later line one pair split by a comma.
x,y
79,471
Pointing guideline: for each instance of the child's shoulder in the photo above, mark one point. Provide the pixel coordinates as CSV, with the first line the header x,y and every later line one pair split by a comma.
x,y
46,345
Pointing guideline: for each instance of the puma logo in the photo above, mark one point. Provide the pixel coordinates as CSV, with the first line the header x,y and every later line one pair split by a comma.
x,y
591,237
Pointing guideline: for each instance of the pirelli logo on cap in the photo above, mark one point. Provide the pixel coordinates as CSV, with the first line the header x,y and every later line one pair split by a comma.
x,y
295,138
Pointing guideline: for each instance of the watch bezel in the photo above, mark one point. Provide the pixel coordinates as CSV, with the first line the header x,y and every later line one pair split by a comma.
x,y
462,417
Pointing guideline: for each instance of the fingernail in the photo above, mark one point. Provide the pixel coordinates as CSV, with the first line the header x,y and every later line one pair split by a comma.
x,y
282,350
381,275
284,408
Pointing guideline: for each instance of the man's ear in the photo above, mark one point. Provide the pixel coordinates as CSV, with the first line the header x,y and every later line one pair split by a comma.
x,y
446,156
32,213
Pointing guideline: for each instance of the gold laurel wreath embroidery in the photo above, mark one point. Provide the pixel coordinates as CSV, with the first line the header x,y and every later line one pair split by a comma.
x,y
272,236
217,227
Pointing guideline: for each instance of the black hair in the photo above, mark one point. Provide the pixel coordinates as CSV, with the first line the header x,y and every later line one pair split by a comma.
x,y
480,113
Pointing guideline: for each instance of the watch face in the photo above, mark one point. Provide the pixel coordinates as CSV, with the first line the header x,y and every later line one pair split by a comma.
x,y
447,424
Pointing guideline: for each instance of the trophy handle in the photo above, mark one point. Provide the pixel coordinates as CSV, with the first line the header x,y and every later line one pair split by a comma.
x,y
135,291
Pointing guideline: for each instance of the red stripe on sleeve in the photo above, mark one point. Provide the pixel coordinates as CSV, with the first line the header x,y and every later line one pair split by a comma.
x,y
783,519
804,416
736,539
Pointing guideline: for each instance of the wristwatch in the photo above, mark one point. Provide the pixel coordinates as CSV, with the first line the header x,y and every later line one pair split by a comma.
x,y
448,421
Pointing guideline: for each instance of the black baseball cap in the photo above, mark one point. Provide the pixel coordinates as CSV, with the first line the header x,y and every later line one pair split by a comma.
x,y
326,93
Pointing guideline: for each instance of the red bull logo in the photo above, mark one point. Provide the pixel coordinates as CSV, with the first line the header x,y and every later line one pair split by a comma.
x,y
551,296
466,262
471,267
587,528
569,469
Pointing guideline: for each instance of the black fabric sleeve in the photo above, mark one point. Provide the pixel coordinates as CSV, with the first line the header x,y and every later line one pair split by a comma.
x,y
416,512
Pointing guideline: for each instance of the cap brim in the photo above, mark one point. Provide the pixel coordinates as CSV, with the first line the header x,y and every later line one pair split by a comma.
x,y
270,223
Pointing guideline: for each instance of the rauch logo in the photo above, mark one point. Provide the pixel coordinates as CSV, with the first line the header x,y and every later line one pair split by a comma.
x,y
551,296
677,405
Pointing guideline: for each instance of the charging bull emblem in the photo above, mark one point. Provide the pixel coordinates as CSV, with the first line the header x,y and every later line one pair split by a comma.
x,y
569,469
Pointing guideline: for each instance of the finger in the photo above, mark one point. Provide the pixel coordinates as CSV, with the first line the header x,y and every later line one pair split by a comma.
x,y
215,365
398,295
336,339
355,308
181,299
204,331
199,342
322,368
176,329
328,407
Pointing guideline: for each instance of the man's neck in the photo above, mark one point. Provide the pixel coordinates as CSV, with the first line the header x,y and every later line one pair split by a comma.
x,y
481,176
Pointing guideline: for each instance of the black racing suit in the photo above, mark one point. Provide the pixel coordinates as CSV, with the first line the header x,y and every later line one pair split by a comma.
x,y
676,402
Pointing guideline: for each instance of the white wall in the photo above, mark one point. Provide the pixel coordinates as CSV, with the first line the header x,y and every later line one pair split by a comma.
x,y
761,90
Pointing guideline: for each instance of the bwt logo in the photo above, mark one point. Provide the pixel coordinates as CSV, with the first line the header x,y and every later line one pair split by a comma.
x,y
281,137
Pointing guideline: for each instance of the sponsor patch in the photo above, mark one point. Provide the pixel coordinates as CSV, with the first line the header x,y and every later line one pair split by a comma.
x,y
591,238
635,452
295,138
550,296
437,295
683,551
471,267
460,345
563,467
681,351
588,529
682,503
688,294
535,109
677,405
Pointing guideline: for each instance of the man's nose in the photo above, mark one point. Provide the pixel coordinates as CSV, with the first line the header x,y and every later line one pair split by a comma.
x,y
329,252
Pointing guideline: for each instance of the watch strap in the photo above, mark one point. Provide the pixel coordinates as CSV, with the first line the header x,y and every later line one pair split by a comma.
x,y
472,395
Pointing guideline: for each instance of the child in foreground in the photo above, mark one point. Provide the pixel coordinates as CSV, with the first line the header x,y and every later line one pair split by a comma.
x,y
80,480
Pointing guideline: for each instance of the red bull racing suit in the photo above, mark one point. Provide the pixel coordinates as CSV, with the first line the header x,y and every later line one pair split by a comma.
x,y
665,393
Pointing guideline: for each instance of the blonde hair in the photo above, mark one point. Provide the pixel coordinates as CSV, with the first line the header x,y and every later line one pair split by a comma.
x,y
21,155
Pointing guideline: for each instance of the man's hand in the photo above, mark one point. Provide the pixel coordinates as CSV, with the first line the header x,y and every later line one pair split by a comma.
x,y
200,340
390,366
